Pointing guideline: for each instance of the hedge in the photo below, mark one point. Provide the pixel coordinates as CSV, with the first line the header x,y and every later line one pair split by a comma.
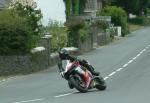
x,y
118,15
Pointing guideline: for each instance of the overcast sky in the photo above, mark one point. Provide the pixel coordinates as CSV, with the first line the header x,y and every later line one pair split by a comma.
x,y
52,9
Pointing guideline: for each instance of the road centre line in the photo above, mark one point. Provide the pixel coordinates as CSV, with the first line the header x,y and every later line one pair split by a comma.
x,y
112,74
106,78
62,95
34,100
144,49
130,61
134,58
147,47
119,69
141,52
138,55
125,65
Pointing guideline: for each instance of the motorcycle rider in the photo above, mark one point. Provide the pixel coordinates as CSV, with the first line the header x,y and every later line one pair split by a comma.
x,y
64,55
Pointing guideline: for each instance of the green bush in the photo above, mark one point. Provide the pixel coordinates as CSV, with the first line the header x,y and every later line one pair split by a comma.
x,y
148,11
59,35
118,15
139,21
101,24
16,35
32,14
78,31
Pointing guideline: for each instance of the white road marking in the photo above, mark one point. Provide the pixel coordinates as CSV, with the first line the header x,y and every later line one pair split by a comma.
x,y
106,78
147,47
112,74
130,61
125,65
64,95
34,100
141,52
138,55
134,58
119,69
144,50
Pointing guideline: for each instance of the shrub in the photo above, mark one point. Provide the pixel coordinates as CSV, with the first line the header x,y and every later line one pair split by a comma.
x,y
32,15
101,24
139,21
59,35
16,35
78,31
20,29
148,11
118,15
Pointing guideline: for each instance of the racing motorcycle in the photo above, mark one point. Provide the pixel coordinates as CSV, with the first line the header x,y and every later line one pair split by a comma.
x,y
80,78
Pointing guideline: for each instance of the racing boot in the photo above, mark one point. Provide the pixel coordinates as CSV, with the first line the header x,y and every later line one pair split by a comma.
x,y
91,69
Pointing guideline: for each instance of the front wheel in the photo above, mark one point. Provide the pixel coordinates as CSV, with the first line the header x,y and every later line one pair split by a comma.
x,y
78,83
101,84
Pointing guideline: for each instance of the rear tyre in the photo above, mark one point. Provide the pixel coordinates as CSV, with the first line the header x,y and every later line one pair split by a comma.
x,y
77,82
101,84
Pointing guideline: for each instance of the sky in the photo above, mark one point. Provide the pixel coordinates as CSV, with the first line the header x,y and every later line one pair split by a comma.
x,y
52,9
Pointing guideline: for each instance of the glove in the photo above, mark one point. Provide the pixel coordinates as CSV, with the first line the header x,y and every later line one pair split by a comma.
x,y
84,61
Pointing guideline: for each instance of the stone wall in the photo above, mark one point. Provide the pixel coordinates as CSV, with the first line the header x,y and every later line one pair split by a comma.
x,y
86,45
23,64
103,38
38,59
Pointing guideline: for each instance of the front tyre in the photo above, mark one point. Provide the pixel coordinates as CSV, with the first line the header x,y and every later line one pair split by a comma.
x,y
78,83
101,84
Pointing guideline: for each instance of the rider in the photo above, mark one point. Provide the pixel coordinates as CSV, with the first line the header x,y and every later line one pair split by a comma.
x,y
64,55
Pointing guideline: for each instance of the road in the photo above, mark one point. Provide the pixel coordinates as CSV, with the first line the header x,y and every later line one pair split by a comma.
x,y
125,65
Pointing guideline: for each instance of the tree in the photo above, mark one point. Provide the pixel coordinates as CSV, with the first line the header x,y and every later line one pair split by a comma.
x,y
118,15
19,29
143,6
16,35
133,6
59,35
32,15
74,7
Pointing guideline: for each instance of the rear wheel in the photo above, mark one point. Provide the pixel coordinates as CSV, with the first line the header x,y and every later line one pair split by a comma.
x,y
101,84
78,83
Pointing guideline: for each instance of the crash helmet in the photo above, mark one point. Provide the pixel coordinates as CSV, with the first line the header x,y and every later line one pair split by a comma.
x,y
63,54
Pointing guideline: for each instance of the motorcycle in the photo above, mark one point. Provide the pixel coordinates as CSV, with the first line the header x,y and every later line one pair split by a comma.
x,y
80,78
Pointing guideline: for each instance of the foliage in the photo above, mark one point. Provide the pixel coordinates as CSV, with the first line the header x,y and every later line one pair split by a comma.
x,y
148,11
101,24
59,35
83,32
32,15
133,6
118,15
19,29
74,7
139,20
16,35
78,31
